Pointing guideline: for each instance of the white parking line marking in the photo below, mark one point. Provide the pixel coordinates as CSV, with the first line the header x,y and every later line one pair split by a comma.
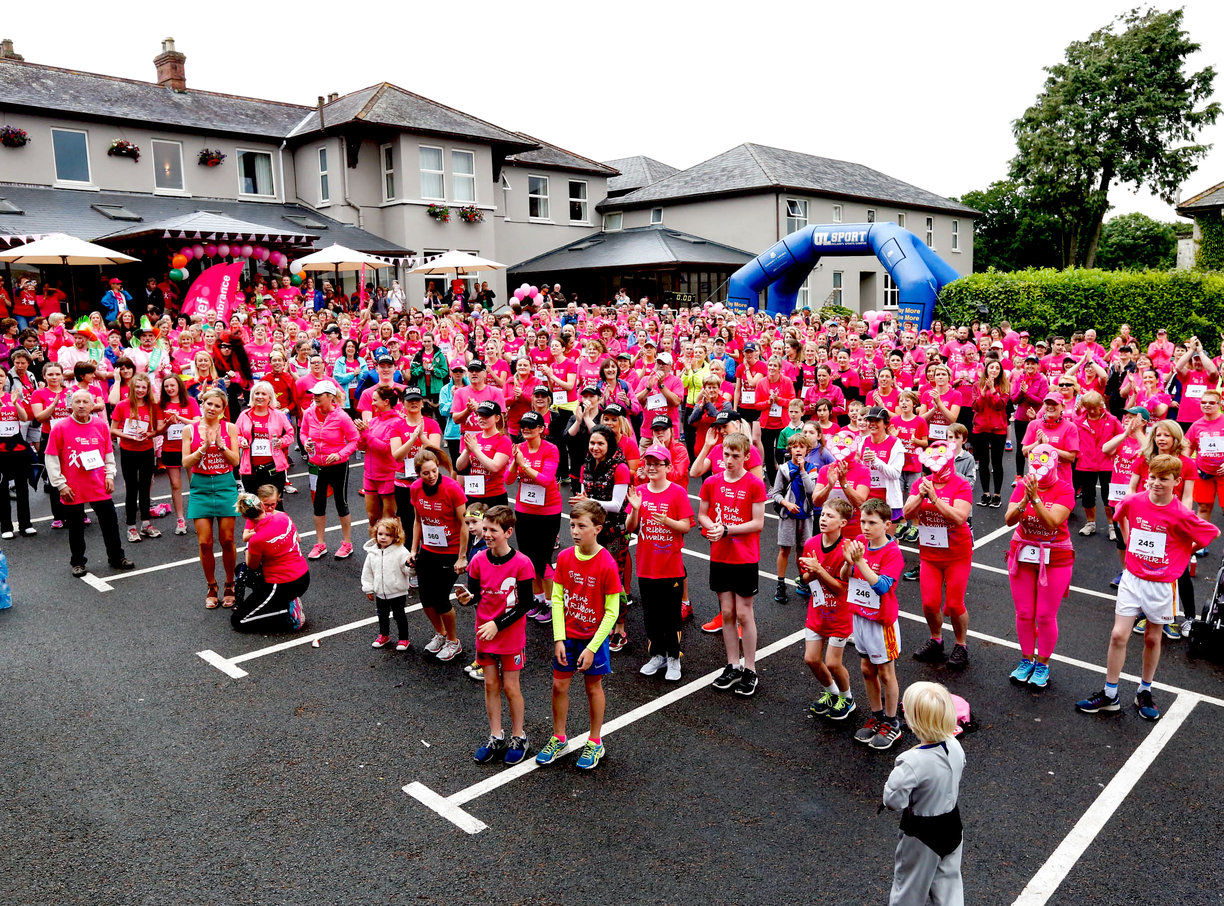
x,y
225,666
1064,858
445,808
986,539
96,583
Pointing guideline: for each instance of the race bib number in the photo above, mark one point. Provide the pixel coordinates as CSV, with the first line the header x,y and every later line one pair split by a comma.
x,y
91,460
1118,490
560,397
174,432
747,397
1212,446
877,479
533,494
474,485
818,595
407,469
1150,545
1030,554
1196,391
775,411
9,428
656,401
860,593
933,535
838,494
939,432
133,427
261,446
434,535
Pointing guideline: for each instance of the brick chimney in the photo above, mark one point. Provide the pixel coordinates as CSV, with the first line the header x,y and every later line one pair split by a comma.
x,y
7,52
170,70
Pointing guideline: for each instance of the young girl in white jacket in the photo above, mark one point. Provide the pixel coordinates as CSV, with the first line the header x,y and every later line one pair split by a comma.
x,y
384,579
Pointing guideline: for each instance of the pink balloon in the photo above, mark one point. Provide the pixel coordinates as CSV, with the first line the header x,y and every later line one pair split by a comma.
x,y
518,294
525,287
534,291
261,253
240,296
223,250
186,252
278,259
197,250
210,250
247,251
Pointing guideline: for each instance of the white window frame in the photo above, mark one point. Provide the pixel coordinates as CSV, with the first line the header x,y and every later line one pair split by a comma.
x,y
796,213
324,176
163,190
238,152
585,200
457,176
837,213
901,219
892,293
88,165
839,281
956,236
656,221
871,215
930,232
803,297
617,217
440,173
545,216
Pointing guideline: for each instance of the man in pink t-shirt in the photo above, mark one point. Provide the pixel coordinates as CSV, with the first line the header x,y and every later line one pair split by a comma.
x,y
1160,536
466,399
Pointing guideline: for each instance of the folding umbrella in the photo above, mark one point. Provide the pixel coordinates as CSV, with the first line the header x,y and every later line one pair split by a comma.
x,y
456,262
60,248
337,258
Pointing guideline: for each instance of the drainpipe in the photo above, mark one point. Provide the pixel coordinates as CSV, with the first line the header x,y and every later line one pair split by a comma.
x,y
280,161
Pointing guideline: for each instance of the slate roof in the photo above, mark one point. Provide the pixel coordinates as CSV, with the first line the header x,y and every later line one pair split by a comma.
x,y
389,105
72,211
638,247
636,172
547,155
1203,201
751,168
87,95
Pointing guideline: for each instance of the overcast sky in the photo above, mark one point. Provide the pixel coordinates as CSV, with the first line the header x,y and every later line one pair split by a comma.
x,y
924,92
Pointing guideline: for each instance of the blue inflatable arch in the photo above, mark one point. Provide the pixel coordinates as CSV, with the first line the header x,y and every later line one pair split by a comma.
x,y
916,270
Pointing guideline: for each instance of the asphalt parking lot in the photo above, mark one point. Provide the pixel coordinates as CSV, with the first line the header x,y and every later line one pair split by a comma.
x,y
272,771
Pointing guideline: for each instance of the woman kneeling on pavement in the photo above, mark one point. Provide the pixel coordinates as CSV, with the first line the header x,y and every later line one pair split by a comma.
x,y
277,575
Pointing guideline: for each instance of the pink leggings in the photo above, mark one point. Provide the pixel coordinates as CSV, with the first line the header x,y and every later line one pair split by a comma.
x,y
944,583
1037,607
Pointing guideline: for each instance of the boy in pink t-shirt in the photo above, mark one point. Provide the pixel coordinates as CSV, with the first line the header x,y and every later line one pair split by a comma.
x,y
1160,535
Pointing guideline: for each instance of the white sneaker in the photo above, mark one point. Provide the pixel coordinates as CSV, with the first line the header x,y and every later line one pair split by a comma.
x,y
412,578
654,665
450,650
1186,626
1113,533
1089,529
436,643
673,669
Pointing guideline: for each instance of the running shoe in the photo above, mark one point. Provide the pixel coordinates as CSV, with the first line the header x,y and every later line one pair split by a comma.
x,y
88,521
450,650
911,535
79,571
1115,581
1172,632
474,672
985,500
887,733
344,551
1186,626
1140,626
381,641
413,582
1007,447
180,527
1113,532
996,501
1041,676
150,531
1098,702
1202,552
493,746
842,708
673,670
1147,707
125,564
289,488
516,750
747,685
7,535
867,732
57,524
686,611
617,641
553,749
1023,672
436,643
823,705
403,644
544,614
297,619
133,535
931,652
591,755
317,552
653,666
715,625
959,658
1088,529
729,677
780,595
911,574
29,530
803,590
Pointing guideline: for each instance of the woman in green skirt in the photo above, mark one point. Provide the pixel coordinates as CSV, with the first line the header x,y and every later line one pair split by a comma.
x,y
210,452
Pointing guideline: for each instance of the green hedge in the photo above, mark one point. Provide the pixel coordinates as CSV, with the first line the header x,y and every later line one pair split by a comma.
x,y
1047,302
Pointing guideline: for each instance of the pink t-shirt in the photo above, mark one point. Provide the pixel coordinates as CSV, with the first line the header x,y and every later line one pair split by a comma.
x,y
939,540
908,430
82,451
545,461
485,394
731,503
498,596
858,475
658,547
1207,441
886,560
1161,538
405,471
56,400
276,548
494,482
1031,530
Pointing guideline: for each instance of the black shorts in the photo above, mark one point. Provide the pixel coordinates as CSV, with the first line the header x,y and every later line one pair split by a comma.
x,y
172,459
738,578
749,415
436,577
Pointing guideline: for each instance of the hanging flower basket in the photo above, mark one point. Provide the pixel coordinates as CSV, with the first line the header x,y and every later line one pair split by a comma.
x,y
12,137
121,147
210,157
439,212
471,214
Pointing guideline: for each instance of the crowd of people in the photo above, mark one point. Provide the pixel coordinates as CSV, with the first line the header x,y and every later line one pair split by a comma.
x,y
473,432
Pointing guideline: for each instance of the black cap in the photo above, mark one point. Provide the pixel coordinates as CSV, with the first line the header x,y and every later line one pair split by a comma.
x,y
385,360
615,409
726,416
750,347
413,393
1031,358
541,390
476,365
879,412
489,407
531,420
659,422
590,388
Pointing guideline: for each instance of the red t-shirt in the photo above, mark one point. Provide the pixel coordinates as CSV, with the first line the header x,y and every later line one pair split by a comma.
x,y
56,400
886,560
1162,538
82,451
1207,441
586,585
858,475
908,430
187,409
436,513
659,548
938,540
498,596
716,459
828,611
731,503
494,481
405,471
142,421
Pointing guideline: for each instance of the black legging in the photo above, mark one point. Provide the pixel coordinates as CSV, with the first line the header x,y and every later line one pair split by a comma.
x,y
58,511
15,467
536,536
988,449
404,509
769,440
1086,483
263,474
560,439
137,466
1021,427
1185,594
269,607
334,476
661,614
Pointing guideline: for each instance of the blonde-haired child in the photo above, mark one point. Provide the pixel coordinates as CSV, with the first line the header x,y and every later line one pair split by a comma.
x,y
925,785
384,579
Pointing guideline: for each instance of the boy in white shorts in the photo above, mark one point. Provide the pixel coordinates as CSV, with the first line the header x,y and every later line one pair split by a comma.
x,y
1160,535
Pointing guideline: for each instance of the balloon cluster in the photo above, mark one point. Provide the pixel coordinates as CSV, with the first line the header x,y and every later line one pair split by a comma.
x,y
527,291
222,250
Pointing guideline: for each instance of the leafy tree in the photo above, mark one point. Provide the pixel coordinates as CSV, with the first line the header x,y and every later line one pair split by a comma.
x,y
1012,233
1135,242
1120,109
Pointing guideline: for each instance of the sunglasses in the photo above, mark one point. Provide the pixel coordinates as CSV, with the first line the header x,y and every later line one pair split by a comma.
x,y
1066,386
225,346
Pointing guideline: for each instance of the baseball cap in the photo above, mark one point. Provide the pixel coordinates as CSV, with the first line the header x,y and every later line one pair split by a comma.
x,y
650,342
1052,397
489,407
665,358
590,388
659,452
379,352
1031,358
624,355
413,393
1141,412
323,387
476,365
659,422
458,365
750,347
615,409
540,390
115,281
880,413
385,359
531,420
724,417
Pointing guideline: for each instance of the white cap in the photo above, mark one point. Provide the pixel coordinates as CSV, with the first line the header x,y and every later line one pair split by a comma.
x,y
324,387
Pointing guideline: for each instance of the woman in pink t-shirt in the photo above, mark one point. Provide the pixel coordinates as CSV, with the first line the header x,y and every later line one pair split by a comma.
x,y
484,456
538,507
